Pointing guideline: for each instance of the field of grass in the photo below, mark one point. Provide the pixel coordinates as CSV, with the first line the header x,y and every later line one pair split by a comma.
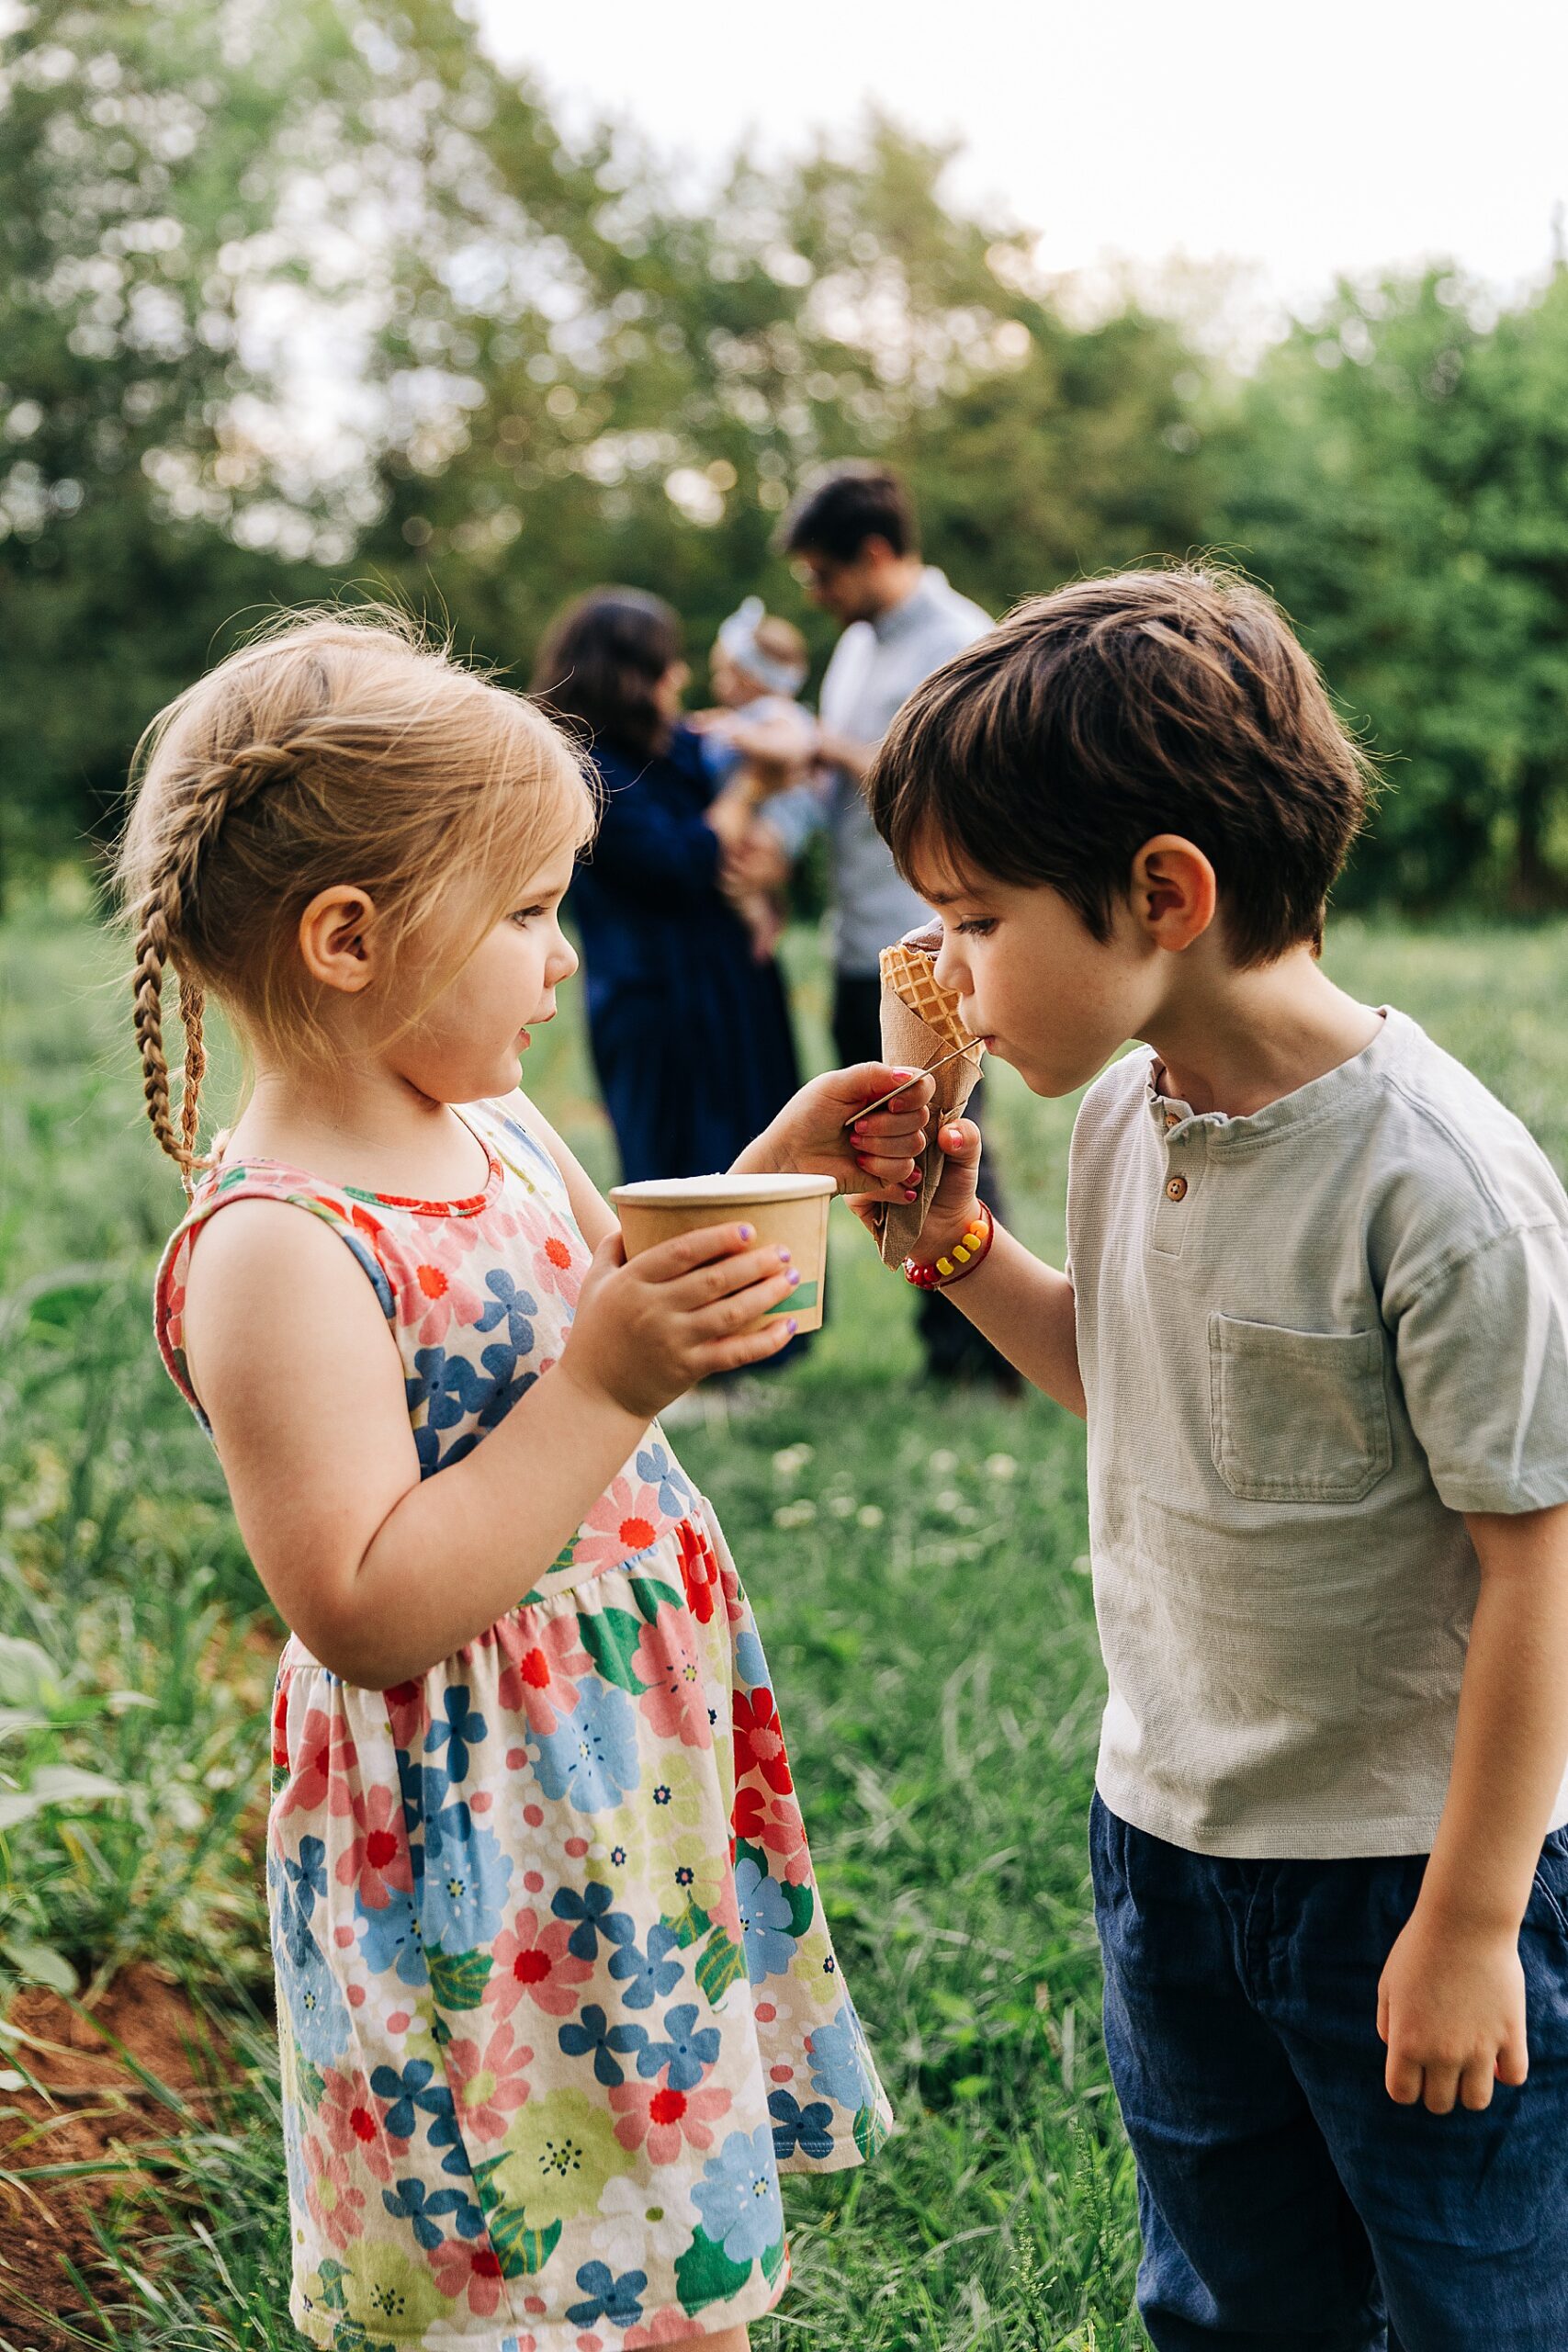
x,y
916,1564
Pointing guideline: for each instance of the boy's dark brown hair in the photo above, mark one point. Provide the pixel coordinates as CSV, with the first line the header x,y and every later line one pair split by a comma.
x,y
1174,701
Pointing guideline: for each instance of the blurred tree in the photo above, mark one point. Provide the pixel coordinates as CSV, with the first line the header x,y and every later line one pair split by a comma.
x,y
1398,473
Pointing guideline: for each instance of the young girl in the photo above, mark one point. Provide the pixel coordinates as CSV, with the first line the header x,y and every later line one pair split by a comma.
x,y
557,2001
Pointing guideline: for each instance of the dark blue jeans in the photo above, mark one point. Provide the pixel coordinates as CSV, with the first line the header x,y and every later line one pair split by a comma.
x,y
1284,2198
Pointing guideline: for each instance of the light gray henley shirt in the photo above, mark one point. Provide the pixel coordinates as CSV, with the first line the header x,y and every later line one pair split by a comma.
x,y
1311,1339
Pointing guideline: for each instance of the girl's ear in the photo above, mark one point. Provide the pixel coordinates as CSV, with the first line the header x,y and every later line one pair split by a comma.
x,y
335,937
1175,895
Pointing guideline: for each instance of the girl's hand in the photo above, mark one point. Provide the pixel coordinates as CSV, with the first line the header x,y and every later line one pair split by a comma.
x,y
875,1157
647,1327
1452,2011
954,1202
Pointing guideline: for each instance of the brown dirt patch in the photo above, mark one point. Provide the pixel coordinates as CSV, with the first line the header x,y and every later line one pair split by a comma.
x,y
90,2108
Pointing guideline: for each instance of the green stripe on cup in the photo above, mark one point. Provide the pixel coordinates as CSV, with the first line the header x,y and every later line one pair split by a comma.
x,y
804,1295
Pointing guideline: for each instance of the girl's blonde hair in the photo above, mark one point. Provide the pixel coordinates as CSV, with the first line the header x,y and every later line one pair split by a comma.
x,y
339,747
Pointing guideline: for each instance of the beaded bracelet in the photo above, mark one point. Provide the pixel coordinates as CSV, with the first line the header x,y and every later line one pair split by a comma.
x,y
962,1259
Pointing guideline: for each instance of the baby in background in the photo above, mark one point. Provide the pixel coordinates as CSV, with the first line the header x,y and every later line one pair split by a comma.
x,y
758,739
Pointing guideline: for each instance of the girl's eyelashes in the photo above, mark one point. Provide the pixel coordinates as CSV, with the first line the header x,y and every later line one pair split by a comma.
x,y
976,927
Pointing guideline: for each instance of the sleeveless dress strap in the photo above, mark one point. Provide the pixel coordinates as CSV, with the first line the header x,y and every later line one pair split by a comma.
x,y
255,1180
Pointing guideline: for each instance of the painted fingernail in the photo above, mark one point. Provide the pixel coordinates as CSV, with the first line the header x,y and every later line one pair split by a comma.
x,y
793,1276
863,1161
914,1195
748,1232
786,1254
792,1326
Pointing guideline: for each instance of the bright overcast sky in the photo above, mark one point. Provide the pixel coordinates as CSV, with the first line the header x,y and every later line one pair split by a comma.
x,y
1302,140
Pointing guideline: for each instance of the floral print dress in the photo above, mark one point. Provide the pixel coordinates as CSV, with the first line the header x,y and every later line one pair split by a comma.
x,y
557,1999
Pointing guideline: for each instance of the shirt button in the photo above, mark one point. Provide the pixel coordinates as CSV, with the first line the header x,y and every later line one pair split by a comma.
x,y
1177,1188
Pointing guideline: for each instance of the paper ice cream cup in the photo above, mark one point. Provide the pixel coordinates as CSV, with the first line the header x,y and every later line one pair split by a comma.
x,y
790,1212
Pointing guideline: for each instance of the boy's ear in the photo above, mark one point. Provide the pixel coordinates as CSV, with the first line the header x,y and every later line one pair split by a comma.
x,y
1175,896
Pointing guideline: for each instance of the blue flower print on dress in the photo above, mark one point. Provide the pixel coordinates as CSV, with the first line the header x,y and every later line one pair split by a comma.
x,y
750,1663
685,2050
655,1468
393,1940
738,2196
464,1728
414,2092
316,2010
838,2066
466,1882
605,2297
591,1759
764,1921
592,1911
410,2202
808,2128
592,2032
652,1974
512,1307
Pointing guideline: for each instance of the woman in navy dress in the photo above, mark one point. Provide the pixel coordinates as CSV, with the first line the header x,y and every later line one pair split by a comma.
x,y
689,1033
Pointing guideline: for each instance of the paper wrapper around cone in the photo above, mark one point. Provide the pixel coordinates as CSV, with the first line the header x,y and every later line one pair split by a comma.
x,y
909,1043
795,1220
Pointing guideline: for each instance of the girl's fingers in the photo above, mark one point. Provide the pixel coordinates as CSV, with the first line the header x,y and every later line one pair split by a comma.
x,y
723,1277
754,1347
1475,2085
668,1260
1403,2077
741,1309
1513,2062
1441,2089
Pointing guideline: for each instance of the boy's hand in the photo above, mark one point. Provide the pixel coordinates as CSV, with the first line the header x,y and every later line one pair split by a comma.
x,y
1451,2010
876,1158
954,1202
647,1327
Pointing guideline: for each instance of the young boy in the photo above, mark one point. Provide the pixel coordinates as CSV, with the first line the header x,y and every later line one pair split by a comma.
x,y
1316,1318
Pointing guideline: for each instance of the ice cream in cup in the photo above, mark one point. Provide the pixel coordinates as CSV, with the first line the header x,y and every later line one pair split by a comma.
x,y
789,1211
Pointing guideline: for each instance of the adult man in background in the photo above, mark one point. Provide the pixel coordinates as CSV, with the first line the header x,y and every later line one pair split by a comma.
x,y
853,538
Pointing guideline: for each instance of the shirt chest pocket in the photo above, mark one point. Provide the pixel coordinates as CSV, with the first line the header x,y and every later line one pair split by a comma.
x,y
1297,1417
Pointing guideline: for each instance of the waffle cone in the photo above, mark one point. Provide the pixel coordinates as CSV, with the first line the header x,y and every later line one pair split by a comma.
x,y
910,1041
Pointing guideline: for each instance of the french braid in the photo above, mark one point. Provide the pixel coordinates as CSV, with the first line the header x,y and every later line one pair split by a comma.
x,y
210,797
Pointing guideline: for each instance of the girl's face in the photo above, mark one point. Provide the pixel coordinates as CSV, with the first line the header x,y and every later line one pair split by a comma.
x,y
469,1043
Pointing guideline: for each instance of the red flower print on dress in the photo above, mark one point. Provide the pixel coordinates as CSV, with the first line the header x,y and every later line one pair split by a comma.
x,y
759,1740
671,2326
324,1766
462,2268
556,1269
624,1520
336,2206
280,1728
774,1823
490,2086
699,1570
652,2115
543,1660
533,1963
675,1702
377,1862
353,2120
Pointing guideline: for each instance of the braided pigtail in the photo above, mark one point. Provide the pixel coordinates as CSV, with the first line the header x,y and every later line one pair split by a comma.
x,y
147,985
193,1000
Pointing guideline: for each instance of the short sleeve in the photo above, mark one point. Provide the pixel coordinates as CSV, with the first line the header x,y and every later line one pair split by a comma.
x,y
1483,1354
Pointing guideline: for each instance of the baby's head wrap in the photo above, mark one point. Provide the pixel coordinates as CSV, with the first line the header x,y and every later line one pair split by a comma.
x,y
737,635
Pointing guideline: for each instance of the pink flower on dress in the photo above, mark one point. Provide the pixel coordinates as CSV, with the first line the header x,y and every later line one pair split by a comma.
x,y
543,1662
432,1298
774,1823
668,2326
652,2115
533,1963
377,1861
408,1716
491,2086
626,1519
675,1702
353,2120
557,1269
336,2206
323,1763
462,2268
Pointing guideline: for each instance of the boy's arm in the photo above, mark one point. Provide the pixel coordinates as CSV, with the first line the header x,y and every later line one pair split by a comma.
x,y
1452,2003
1025,1307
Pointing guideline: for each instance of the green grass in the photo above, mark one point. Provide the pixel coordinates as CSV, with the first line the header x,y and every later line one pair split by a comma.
x,y
916,1565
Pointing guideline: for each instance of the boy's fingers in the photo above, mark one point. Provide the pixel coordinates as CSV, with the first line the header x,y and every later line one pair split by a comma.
x,y
1513,2062
1383,2015
1403,2077
1475,2085
1441,2089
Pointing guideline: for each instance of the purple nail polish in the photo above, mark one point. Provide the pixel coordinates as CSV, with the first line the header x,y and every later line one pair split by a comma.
x,y
785,1254
793,1276
748,1232
792,1326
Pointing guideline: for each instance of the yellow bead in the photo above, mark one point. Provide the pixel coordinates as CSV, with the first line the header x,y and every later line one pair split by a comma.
x,y
960,1253
944,1265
